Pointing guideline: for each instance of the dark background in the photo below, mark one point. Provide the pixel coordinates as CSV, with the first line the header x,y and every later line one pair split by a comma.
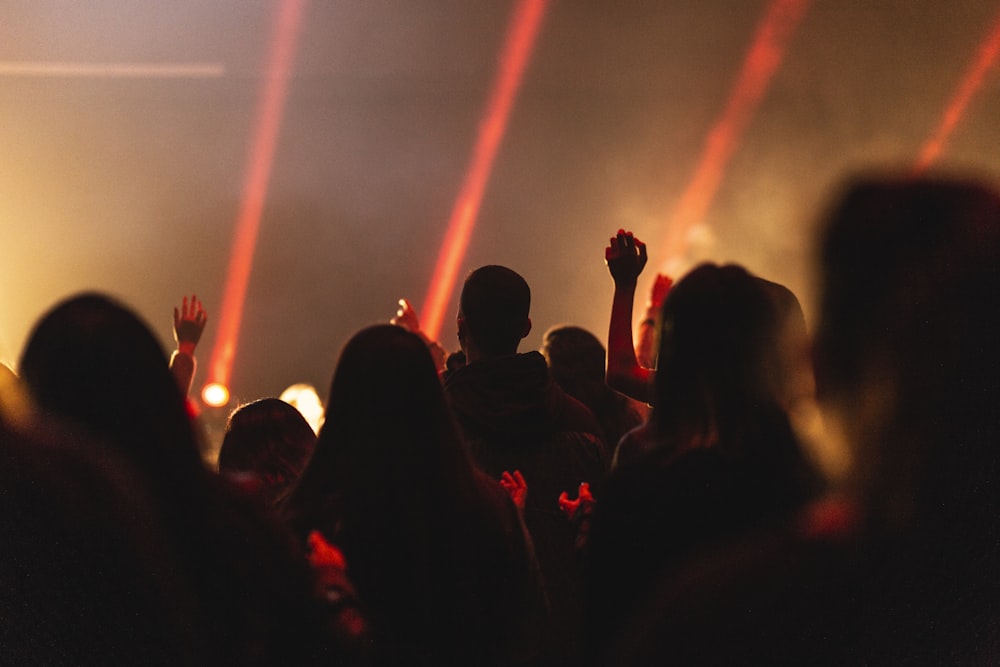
x,y
132,186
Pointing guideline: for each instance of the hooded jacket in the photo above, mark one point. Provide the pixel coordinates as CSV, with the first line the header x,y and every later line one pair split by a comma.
x,y
515,417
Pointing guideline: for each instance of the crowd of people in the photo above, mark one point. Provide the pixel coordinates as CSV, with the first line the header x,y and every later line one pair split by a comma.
x,y
650,504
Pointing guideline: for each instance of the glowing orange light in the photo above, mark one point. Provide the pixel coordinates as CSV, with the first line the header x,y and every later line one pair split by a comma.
x,y
215,394
272,102
971,83
761,62
519,41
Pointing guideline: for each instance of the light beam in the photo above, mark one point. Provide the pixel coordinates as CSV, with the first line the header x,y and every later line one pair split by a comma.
x,y
967,88
112,70
274,89
518,43
774,32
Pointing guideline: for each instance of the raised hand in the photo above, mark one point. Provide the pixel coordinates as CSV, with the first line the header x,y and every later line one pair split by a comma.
x,y
583,505
516,487
626,257
189,323
406,317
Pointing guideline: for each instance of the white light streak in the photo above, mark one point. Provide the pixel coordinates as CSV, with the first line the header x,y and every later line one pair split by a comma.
x,y
113,70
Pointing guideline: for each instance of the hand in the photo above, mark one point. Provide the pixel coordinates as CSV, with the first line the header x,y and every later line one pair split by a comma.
x,y
661,288
189,323
323,554
516,487
406,317
626,257
584,502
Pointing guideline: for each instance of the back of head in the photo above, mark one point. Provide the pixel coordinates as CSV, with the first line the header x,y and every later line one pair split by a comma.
x,y
93,361
387,423
494,304
574,355
270,439
718,353
906,351
391,484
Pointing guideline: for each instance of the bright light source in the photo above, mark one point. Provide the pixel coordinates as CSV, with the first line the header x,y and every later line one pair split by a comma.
x,y
215,394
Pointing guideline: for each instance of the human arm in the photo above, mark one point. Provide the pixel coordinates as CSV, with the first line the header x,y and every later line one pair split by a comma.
x,y
626,257
515,485
406,317
189,324
578,511
645,347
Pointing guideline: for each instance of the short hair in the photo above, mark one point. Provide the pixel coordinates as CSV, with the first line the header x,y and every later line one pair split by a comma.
x,y
495,302
574,355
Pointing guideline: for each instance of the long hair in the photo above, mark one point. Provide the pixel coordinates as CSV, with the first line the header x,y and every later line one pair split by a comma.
x,y
392,485
718,355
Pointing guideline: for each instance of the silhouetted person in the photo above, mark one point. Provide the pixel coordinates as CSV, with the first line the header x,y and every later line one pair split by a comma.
x,y
440,559
94,364
266,448
515,417
901,566
717,459
576,360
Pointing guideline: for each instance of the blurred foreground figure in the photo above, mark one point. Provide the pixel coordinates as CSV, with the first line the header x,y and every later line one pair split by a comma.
x,y
903,567
717,460
94,365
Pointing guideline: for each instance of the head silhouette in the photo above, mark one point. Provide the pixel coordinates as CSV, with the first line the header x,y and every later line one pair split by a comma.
x,y
493,314
906,351
718,354
271,440
93,361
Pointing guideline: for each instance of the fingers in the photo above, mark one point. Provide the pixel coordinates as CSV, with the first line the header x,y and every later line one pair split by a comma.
x,y
519,478
565,504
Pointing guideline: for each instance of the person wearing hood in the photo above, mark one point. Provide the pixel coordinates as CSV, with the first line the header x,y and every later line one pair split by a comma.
x,y
515,417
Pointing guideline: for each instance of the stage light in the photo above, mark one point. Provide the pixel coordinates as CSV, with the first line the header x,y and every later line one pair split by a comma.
x,y
518,43
774,32
271,106
967,88
215,394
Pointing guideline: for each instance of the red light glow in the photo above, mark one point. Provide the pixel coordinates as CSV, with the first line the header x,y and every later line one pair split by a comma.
x,y
272,101
761,62
519,41
971,83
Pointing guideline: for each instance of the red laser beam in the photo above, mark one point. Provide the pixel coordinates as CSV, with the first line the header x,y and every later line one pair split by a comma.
x,y
271,102
518,43
970,84
766,53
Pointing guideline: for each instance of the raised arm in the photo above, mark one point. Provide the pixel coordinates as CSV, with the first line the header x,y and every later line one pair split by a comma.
x,y
189,323
406,317
646,346
626,257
